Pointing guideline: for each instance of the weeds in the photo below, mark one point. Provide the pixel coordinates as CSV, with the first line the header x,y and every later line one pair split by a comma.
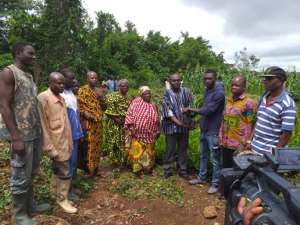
x,y
148,188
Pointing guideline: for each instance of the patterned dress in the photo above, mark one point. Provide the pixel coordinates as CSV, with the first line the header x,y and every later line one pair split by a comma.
x,y
143,124
116,106
90,149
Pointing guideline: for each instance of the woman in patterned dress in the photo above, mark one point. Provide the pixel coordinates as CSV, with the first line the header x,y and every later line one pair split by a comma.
x,y
142,125
90,115
116,107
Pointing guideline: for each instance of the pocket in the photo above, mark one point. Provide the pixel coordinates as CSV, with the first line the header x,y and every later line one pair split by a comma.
x,y
18,173
215,141
55,124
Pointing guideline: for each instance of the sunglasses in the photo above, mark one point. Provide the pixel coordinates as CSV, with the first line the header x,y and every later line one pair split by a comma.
x,y
269,78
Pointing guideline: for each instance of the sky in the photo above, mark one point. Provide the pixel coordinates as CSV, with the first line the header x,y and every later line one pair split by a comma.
x,y
269,29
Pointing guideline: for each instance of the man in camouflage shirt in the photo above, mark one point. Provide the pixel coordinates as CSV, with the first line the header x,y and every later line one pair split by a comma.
x,y
20,126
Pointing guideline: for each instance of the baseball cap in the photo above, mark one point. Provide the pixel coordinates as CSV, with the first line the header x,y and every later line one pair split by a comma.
x,y
275,71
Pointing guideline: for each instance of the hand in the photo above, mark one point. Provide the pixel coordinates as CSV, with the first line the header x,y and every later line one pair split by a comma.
x,y
157,136
185,110
52,154
119,120
88,116
249,212
18,146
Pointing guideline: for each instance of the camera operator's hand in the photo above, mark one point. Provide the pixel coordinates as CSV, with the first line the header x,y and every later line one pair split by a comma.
x,y
249,212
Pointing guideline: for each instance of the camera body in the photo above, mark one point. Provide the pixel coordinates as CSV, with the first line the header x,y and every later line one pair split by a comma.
x,y
256,176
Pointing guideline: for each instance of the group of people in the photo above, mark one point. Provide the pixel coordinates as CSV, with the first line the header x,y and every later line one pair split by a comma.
x,y
66,123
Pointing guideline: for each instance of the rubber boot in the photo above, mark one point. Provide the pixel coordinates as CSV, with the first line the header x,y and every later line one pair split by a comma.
x,y
63,187
33,206
20,215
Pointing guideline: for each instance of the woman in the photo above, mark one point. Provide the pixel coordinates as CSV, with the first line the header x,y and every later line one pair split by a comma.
x,y
142,125
116,107
90,115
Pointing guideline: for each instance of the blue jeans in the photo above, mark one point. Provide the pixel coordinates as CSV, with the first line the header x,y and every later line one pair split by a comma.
x,y
74,158
209,144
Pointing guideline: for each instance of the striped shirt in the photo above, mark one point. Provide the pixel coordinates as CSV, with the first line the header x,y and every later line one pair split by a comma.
x,y
272,120
172,105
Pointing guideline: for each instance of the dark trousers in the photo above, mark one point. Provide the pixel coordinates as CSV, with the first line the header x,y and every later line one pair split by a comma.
x,y
176,142
227,155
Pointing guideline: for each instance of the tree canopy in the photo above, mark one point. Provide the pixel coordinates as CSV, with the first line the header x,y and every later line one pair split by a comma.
x,y
64,36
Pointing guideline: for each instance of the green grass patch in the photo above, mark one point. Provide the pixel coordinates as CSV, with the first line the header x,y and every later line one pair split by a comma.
x,y
151,187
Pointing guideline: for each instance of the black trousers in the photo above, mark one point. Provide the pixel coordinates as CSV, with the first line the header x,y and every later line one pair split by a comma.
x,y
176,143
227,155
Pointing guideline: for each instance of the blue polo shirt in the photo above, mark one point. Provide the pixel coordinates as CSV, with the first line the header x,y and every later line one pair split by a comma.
x,y
271,121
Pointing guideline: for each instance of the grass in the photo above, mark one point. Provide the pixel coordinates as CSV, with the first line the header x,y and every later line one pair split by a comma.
x,y
151,187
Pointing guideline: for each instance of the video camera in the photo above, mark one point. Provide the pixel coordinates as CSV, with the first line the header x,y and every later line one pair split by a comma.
x,y
257,176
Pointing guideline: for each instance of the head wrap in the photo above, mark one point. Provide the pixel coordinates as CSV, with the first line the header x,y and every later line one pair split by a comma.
x,y
143,89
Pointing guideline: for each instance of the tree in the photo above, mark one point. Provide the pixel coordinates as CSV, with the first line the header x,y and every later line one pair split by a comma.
x,y
245,61
106,24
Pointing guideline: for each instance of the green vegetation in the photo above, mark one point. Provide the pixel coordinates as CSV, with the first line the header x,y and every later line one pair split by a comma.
x,y
64,36
151,187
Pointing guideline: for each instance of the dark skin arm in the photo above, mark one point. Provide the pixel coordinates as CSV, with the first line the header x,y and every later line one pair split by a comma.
x,y
178,122
283,139
7,84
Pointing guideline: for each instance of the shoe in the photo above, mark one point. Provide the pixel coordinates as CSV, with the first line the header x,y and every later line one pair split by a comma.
x,y
63,187
67,206
184,176
212,189
20,214
73,196
168,175
197,181
33,206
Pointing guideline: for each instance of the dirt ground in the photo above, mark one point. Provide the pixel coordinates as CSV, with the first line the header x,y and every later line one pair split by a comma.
x,y
103,207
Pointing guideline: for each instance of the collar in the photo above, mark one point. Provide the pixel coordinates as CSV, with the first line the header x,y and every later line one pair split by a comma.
x,y
279,98
241,97
53,98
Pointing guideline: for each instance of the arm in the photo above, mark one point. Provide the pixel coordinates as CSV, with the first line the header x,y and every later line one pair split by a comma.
x,y
209,108
47,145
284,139
7,84
288,123
212,106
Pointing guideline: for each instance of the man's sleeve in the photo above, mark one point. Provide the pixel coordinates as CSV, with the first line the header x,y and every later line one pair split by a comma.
x,y
212,106
289,118
166,111
47,145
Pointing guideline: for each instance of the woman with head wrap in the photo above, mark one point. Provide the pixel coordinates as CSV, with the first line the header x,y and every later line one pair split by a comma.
x,y
142,125
116,107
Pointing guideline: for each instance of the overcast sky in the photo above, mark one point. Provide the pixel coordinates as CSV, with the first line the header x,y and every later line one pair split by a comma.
x,y
270,29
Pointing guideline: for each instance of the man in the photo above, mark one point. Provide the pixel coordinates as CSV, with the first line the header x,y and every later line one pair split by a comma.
x,y
57,137
20,126
174,126
276,114
111,84
74,119
239,119
211,117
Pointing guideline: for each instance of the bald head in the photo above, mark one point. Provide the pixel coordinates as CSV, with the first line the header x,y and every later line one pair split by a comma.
x,y
56,83
91,77
240,78
238,86
54,76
